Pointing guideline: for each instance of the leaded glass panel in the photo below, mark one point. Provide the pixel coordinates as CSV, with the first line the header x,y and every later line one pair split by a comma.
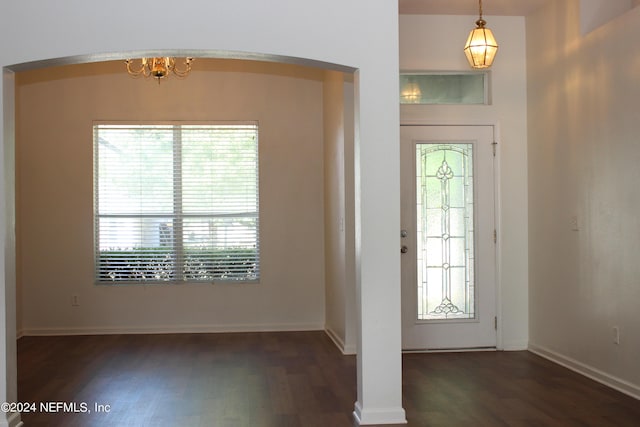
x,y
445,219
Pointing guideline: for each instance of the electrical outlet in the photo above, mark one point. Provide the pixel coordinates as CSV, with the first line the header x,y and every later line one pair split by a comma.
x,y
575,225
75,300
616,335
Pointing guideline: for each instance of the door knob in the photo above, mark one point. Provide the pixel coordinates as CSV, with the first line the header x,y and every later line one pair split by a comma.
x,y
404,249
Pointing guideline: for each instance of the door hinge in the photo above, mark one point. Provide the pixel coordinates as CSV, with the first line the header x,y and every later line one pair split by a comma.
x,y
494,144
495,323
495,236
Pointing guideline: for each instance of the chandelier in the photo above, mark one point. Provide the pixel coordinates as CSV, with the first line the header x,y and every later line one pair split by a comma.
x,y
481,46
158,68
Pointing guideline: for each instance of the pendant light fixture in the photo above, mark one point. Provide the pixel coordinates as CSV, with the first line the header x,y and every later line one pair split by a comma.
x,y
481,47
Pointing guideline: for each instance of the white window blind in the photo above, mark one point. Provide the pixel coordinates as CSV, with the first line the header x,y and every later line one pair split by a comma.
x,y
176,203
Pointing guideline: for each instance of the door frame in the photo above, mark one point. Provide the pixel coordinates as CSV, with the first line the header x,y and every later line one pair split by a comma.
x,y
497,202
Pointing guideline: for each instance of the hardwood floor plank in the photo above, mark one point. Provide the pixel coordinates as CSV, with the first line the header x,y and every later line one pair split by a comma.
x,y
296,379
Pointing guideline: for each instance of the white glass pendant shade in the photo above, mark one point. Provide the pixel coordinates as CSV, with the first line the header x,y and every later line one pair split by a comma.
x,y
481,46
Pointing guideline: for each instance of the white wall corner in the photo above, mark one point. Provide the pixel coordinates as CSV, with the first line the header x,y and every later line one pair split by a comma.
x,y
595,13
345,349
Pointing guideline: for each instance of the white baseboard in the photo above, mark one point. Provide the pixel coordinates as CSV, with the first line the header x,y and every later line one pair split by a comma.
x,y
619,384
373,416
347,350
515,345
173,329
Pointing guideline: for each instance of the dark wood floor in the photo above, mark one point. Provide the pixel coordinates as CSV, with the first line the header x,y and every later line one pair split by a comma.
x,y
293,379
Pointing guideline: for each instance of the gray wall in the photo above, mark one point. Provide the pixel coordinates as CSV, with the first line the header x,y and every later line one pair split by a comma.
x,y
55,110
583,161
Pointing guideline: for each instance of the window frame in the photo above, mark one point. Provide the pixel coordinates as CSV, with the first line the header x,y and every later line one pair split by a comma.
x,y
177,183
486,86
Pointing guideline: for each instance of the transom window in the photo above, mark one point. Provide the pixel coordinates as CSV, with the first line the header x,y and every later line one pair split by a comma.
x,y
176,203
462,88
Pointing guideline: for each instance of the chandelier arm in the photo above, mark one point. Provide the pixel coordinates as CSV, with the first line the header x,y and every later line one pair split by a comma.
x,y
143,70
186,70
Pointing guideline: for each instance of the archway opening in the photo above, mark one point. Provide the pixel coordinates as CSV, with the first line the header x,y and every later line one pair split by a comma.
x,y
56,103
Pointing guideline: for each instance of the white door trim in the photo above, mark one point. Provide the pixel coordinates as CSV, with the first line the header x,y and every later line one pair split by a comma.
x,y
497,202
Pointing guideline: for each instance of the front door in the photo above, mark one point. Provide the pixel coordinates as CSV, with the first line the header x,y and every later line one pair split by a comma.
x,y
448,237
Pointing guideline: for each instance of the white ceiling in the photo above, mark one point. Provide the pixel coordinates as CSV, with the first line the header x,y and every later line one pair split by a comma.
x,y
469,7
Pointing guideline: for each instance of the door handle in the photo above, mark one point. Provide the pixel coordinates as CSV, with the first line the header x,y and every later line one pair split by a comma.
x,y
404,249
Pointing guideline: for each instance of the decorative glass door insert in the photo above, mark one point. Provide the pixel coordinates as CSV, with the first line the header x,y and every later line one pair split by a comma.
x,y
445,231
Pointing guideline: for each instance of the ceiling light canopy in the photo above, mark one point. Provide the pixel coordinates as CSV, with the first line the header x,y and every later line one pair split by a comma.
x,y
481,46
159,67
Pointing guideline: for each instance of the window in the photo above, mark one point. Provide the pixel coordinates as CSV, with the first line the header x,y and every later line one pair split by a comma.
x,y
444,88
176,203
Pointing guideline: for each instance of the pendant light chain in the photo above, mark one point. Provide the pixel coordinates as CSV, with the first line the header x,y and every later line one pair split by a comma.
x,y
481,46
481,22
